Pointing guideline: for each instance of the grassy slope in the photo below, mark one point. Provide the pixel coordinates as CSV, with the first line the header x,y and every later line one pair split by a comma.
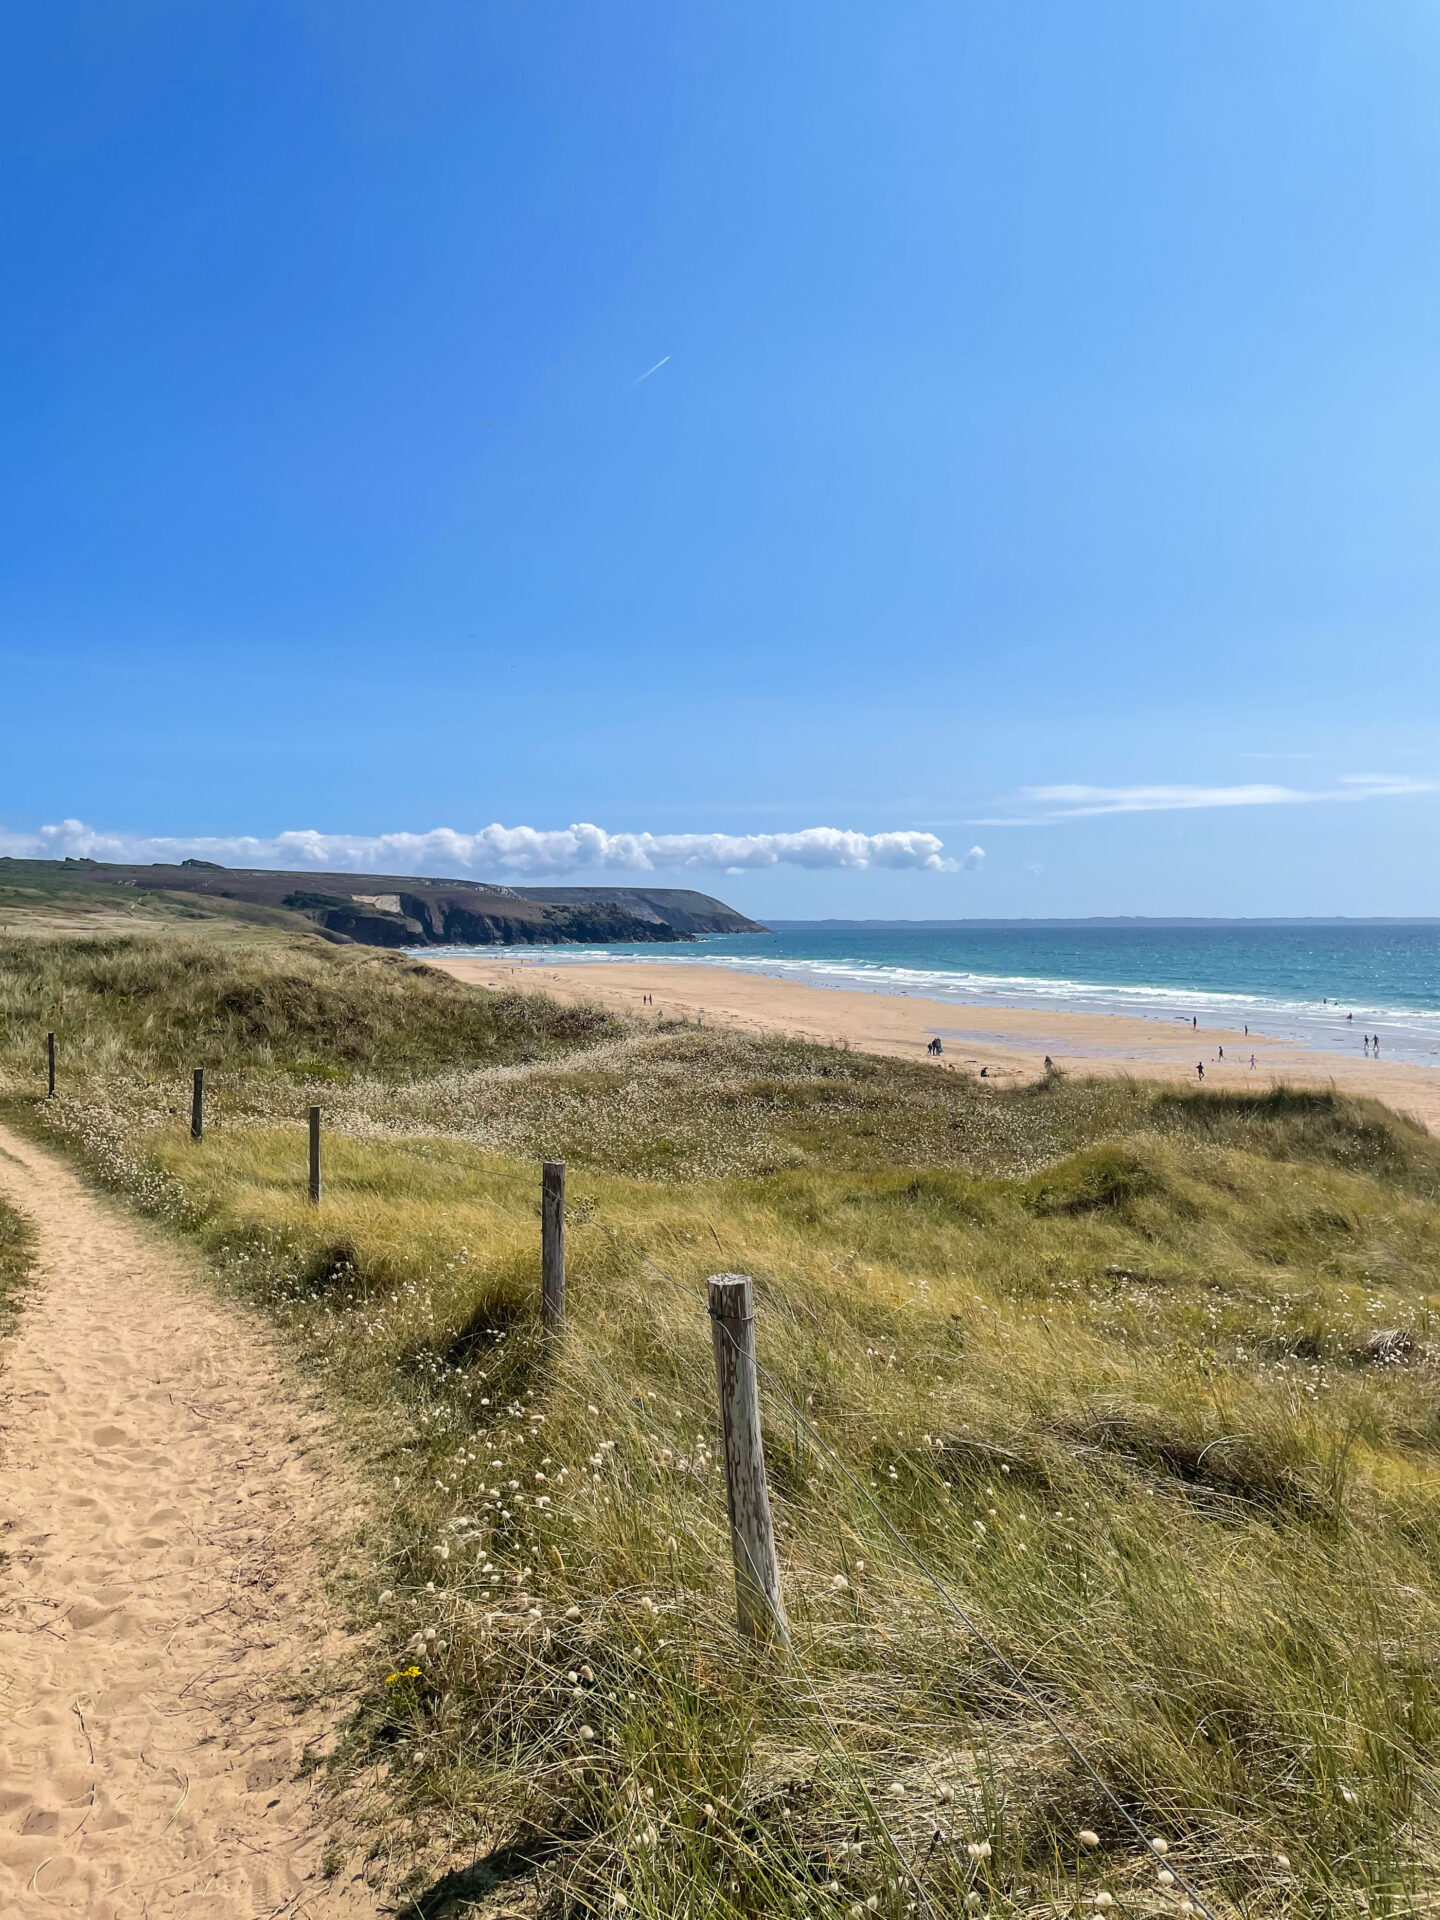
x,y
16,1242
38,904
1105,1355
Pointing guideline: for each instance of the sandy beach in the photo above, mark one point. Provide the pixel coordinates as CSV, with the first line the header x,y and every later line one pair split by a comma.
x,y
1007,1043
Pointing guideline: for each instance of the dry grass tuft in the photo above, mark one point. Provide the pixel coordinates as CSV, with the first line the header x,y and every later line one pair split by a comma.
x,y
17,1243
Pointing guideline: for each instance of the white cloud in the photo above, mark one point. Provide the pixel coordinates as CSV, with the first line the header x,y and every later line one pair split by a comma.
x,y
504,852
1049,804
973,859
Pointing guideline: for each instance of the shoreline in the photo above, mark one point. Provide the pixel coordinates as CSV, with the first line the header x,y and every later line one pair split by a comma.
x,y
1009,1044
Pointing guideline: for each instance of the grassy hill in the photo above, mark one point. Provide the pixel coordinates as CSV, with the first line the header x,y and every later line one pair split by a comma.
x,y
1127,1392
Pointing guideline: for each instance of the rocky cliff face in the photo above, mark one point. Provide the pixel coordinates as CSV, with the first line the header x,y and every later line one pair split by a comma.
x,y
437,918
461,921
678,907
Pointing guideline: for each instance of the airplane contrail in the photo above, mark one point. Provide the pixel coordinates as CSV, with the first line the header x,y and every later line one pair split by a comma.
x,y
649,370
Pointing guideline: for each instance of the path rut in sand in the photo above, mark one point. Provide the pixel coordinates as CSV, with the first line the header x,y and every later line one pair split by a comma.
x,y
161,1502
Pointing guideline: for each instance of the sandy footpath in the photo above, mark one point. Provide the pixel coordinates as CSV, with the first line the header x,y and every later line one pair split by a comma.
x,y
162,1497
1008,1042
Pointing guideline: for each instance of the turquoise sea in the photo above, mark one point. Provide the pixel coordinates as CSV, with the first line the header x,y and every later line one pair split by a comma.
x,y
1292,980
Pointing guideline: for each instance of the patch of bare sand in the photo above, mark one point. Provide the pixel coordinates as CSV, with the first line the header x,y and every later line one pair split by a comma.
x,y
1008,1042
164,1502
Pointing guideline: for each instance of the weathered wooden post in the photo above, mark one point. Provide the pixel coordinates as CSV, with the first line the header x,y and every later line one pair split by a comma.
x,y
315,1156
197,1106
758,1600
50,1057
552,1246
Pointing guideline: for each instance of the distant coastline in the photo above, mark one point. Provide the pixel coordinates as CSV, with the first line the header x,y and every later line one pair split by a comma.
x,y
1111,920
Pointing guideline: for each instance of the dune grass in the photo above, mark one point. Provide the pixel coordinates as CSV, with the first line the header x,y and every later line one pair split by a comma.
x,y
16,1256
1145,1380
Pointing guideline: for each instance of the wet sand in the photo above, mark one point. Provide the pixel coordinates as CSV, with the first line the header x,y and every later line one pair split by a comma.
x,y
1008,1043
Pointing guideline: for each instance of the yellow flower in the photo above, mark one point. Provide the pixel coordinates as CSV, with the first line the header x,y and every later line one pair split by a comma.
x,y
409,1673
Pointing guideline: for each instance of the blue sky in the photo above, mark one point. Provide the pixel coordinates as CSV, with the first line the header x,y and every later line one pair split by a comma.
x,y
1042,446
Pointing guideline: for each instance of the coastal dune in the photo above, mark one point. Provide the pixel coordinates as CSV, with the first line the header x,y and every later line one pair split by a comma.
x,y
1007,1043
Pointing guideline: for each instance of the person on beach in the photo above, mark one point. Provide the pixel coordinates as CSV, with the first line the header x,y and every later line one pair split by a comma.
x,y
1193,1021
1222,1053
1200,1068
1252,1059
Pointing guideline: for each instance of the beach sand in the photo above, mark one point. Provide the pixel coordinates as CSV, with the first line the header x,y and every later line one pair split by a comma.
x,y
1010,1043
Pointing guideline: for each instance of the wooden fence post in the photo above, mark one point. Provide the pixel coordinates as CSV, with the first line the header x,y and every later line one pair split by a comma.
x,y
315,1156
50,1060
197,1106
552,1246
758,1600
